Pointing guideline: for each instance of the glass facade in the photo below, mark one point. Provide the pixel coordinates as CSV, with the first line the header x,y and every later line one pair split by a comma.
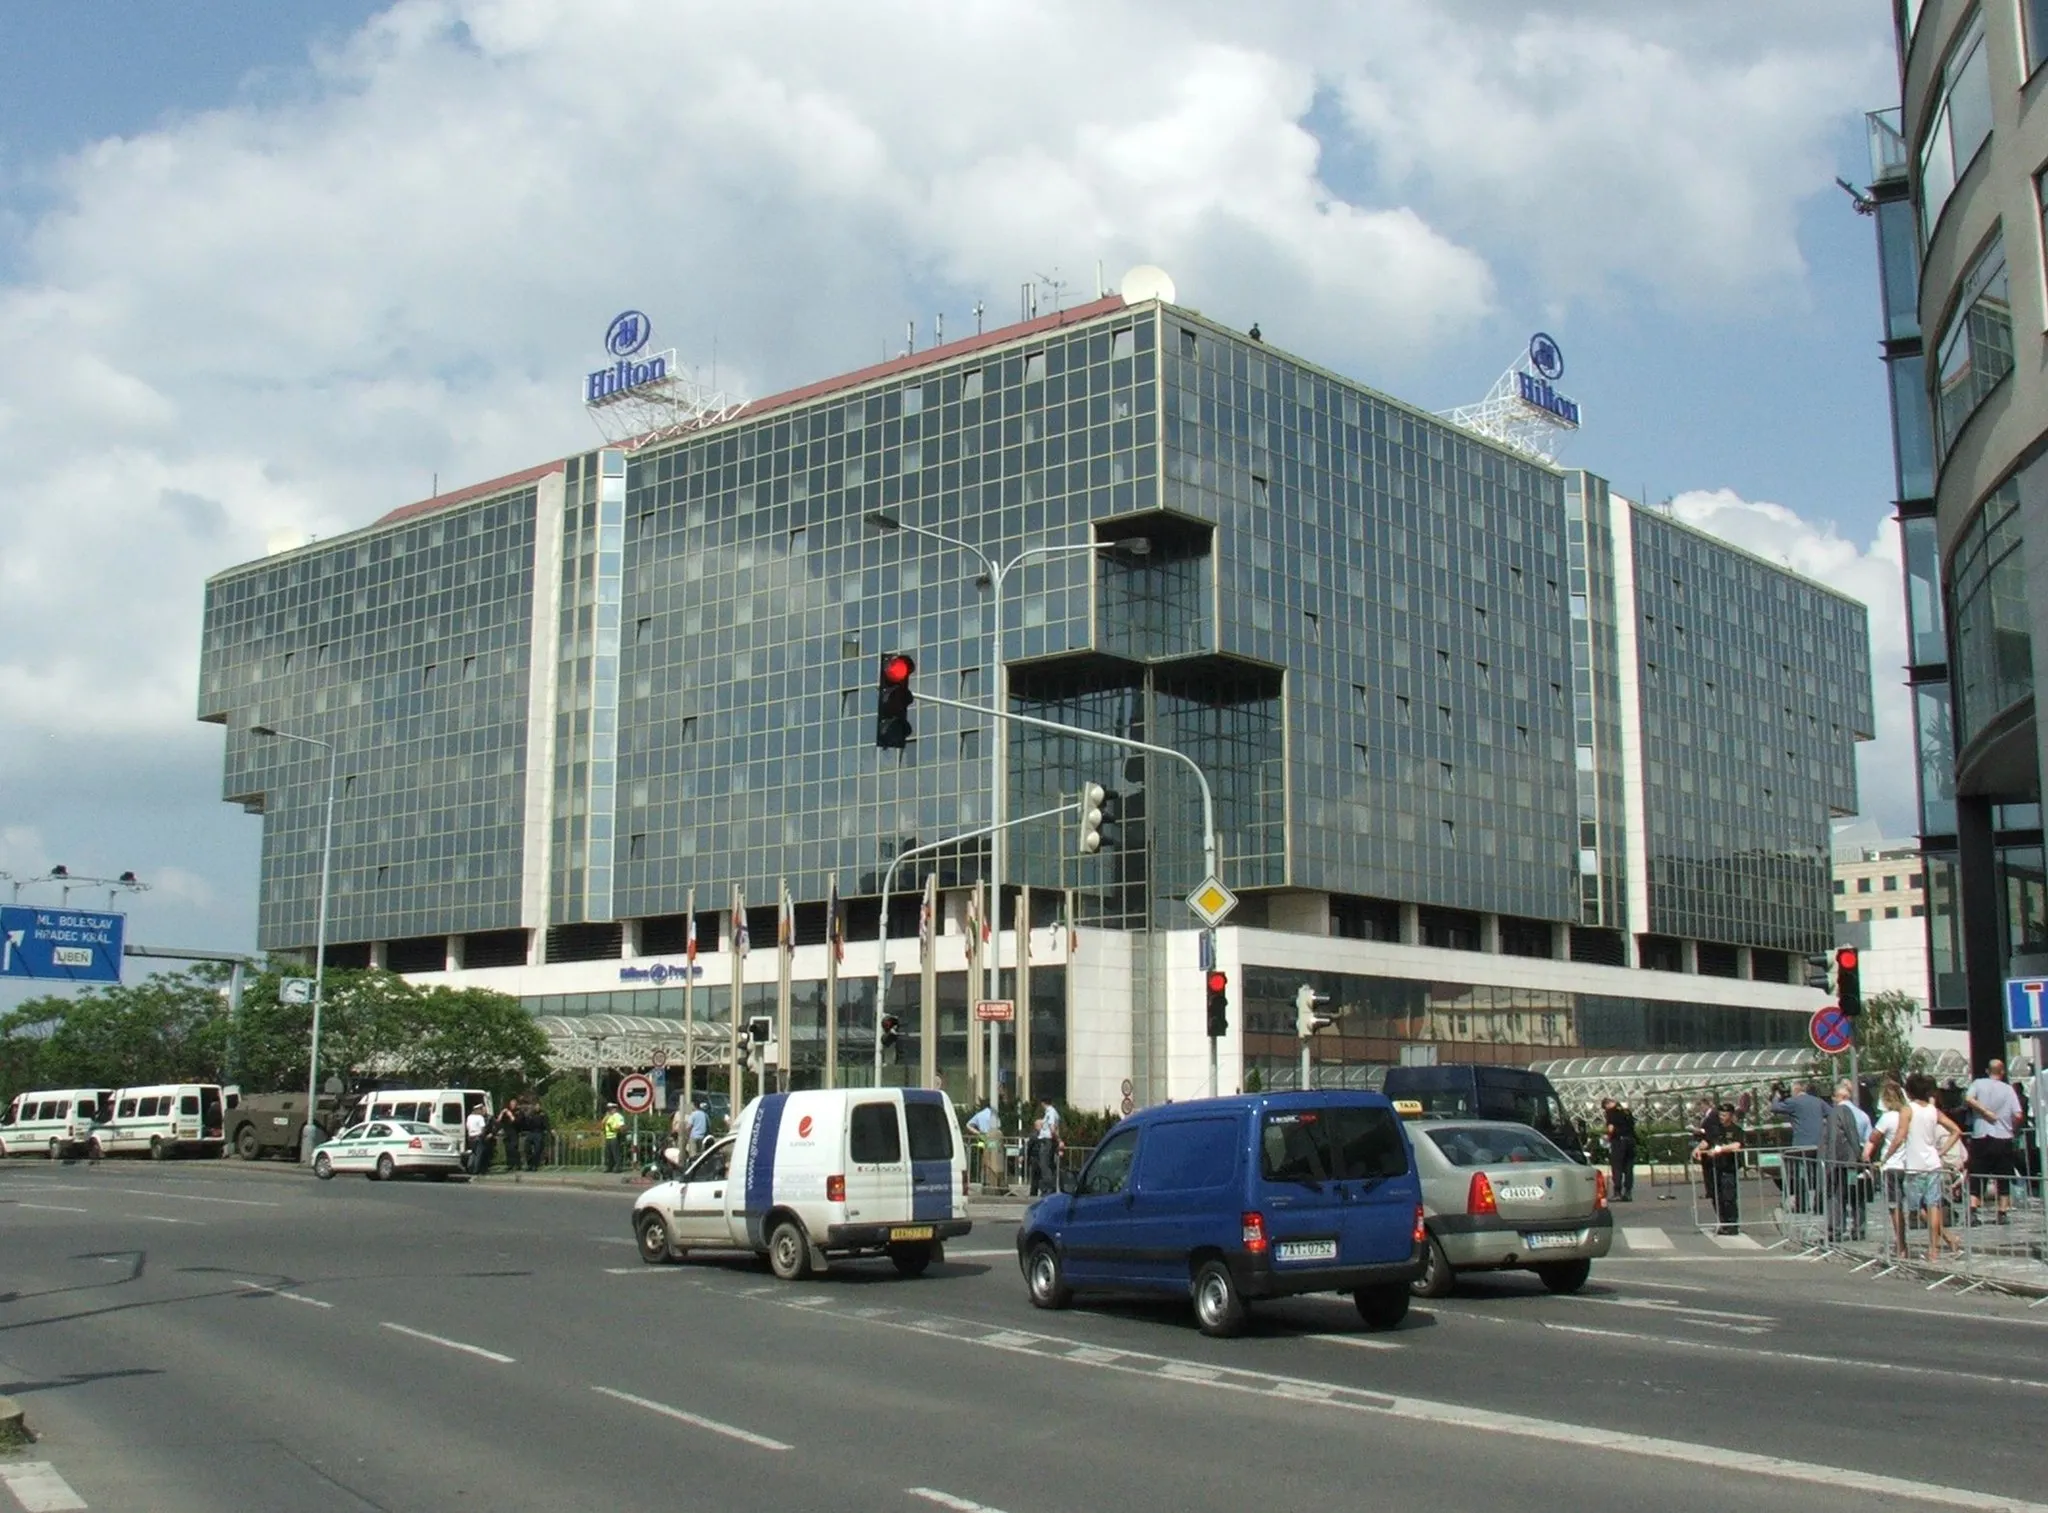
x,y
1993,648
1754,687
1976,346
1961,123
1596,701
407,649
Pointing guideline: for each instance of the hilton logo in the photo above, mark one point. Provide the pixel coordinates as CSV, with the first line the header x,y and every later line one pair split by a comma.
x,y
1537,391
623,375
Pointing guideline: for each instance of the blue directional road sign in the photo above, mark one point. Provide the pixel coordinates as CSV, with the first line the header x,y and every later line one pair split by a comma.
x,y
1831,1030
2026,1005
68,945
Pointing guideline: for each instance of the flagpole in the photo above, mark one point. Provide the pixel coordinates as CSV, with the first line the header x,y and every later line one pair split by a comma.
x,y
1022,1038
689,1002
928,985
737,945
785,929
832,983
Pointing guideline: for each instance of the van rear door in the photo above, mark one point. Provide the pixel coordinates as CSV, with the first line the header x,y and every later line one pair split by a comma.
x,y
934,1174
877,1167
1372,1167
1298,1191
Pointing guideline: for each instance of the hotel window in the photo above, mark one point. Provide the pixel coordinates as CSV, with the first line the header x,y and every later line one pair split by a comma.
x,y
1961,123
1976,349
2034,29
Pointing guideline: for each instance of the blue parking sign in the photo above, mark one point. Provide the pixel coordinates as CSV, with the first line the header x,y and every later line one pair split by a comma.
x,y
2026,1005
64,945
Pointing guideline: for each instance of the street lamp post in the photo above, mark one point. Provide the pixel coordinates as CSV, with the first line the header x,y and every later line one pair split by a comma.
x,y
307,1134
999,747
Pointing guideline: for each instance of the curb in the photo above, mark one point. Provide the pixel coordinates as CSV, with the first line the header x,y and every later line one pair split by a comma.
x,y
13,1424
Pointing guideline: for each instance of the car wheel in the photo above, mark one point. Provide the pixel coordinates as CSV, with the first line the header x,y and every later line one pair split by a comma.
x,y
652,1231
1437,1279
1219,1306
158,1151
246,1145
386,1167
911,1260
1046,1277
323,1168
789,1253
1565,1276
1381,1307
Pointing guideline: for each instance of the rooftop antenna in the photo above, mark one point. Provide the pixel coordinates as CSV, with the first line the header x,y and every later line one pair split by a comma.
x,y
1027,300
910,336
978,307
1864,204
437,486
939,329
1057,285
1098,278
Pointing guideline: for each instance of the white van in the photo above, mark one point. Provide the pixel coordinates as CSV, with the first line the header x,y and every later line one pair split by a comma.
x,y
446,1108
52,1123
168,1119
809,1177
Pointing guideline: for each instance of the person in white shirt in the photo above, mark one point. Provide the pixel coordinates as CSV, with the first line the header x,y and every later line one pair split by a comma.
x,y
989,1130
473,1137
1995,1116
1924,1136
1893,1101
1045,1152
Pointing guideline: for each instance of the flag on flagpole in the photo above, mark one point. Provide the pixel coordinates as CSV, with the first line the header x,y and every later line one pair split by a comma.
x,y
690,941
974,935
1073,929
739,920
925,914
1024,925
835,922
785,921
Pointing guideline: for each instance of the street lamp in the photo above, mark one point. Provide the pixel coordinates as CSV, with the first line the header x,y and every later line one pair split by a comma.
x,y
999,748
307,1135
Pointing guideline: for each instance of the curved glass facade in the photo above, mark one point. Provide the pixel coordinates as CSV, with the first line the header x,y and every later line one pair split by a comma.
x,y
1976,347
1961,122
1993,648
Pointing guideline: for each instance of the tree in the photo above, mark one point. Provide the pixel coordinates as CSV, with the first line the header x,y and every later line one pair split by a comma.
x,y
161,1029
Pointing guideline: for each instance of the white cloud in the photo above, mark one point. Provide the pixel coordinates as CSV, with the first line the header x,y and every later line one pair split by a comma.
x,y
285,316
1885,767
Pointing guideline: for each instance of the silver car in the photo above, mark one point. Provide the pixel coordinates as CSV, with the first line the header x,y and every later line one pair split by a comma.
x,y
1498,1195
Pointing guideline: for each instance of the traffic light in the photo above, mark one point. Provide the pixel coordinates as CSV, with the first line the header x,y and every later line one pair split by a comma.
x,y
1818,970
1306,1020
1219,1005
893,699
1088,814
1848,983
760,1028
891,1027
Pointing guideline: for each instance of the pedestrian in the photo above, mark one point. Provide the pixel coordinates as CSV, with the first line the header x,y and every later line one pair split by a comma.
x,y
1891,1099
614,1139
1923,1139
1841,1153
678,1128
698,1130
1718,1149
533,1132
988,1130
1045,1151
1808,1112
1995,1116
505,1130
1621,1148
476,1140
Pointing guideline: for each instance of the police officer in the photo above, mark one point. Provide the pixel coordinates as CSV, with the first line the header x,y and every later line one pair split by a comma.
x,y
614,1139
1718,1149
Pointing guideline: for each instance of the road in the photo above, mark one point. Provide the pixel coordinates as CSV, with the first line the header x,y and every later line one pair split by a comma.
x,y
209,1336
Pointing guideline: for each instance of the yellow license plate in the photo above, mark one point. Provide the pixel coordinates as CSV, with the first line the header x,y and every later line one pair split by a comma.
x,y
911,1232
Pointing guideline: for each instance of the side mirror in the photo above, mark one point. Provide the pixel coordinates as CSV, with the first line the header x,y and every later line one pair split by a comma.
x,y
1070,1182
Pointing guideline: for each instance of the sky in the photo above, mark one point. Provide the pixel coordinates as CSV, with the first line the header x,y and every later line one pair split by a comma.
x,y
268,271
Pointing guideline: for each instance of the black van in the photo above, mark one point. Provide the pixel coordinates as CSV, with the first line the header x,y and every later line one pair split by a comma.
x,y
1474,1090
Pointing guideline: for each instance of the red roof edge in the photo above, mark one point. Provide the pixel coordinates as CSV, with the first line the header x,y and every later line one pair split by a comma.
x,y
473,491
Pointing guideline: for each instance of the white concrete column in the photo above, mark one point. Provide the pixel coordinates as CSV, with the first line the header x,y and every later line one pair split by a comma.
x,y
1489,934
379,953
1411,925
1689,957
455,953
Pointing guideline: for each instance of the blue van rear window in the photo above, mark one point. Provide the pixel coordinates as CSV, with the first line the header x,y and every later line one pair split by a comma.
x,y
1346,1142
1188,1155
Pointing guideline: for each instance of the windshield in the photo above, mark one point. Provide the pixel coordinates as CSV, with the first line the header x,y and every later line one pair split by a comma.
x,y
1494,1145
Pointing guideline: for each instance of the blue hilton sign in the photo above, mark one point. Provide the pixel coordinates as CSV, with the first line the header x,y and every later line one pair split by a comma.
x,y
625,339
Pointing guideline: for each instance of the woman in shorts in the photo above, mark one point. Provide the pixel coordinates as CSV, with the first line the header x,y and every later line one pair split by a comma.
x,y
1923,1137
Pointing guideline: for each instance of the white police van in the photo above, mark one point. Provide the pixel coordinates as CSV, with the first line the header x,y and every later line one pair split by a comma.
x,y
162,1120
54,1122
807,1178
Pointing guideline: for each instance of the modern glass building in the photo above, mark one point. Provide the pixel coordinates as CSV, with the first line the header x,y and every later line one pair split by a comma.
x,y
1507,764
1957,195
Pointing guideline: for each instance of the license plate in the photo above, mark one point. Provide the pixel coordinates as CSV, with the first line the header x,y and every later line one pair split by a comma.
x,y
911,1232
1308,1250
1522,1194
1557,1240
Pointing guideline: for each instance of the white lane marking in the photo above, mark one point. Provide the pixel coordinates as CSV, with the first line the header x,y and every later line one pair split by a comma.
x,y
1355,1341
652,1271
54,1208
1806,1358
158,1192
948,1500
2001,1320
1668,1286
1711,1458
279,1292
977,1255
1736,1242
1642,1237
1665,1305
161,1219
697,1420
38,1488
611,1240
421,1334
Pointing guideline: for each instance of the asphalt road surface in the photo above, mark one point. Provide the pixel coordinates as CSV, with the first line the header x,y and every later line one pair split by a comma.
x,y
212,1336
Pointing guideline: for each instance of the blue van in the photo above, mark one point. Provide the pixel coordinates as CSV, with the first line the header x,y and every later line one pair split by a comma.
x,y
1228,1200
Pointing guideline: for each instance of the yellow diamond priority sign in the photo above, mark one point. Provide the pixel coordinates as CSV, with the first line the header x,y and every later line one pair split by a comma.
x,y
1211,901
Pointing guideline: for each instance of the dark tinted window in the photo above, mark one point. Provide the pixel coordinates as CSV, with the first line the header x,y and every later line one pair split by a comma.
x,y
1366,1143
127,1109
1292,1147
1495,1146
189,1104
1110,1171
1186,1155
877,1137
931,1131
451,1113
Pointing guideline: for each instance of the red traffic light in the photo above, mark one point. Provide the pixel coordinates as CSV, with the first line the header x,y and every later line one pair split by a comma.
x,y
1845,959
1218,982
897,669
